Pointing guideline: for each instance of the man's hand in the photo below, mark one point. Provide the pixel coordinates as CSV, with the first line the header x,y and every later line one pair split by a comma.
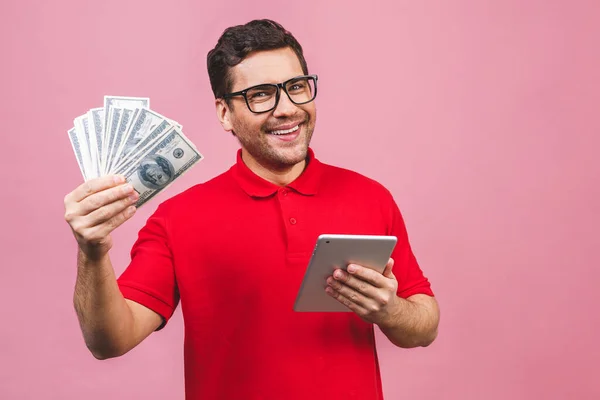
x,y
95,209
371,295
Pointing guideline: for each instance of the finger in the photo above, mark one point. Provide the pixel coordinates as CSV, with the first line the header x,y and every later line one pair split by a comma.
x,y
343,278
349,292
101,231
93,186
108,211
345,301
100,199
387,272
368,275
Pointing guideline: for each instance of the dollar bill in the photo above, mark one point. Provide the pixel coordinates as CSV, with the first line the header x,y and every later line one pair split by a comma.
x,y
126,137
112,122
167,160
77,149
86,140
109,138
145,144
144,124
96,126
83,145
124,102
127,115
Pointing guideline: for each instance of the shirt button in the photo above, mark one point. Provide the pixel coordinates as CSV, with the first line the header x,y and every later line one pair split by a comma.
x,y
293,221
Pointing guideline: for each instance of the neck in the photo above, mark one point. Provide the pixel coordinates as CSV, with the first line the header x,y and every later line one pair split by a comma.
x,y
279,176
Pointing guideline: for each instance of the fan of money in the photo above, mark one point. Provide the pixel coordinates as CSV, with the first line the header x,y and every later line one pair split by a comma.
x,y
126,137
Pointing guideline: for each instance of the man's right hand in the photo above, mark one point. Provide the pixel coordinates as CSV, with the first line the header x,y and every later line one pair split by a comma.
x,y
95,209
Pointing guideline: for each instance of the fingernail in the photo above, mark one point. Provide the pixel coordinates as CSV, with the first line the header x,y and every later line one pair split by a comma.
x,y
127,189
119,179
133,198
130,211
338,274
351,268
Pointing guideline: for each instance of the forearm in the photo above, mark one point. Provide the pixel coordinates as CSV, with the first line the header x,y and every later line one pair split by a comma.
x,y
413,322
105,318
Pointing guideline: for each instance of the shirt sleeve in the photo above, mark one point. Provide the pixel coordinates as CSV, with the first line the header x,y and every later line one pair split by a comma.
x,y
411,279
149,279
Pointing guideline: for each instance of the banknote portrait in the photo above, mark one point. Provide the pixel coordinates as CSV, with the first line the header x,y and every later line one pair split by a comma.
x,y
155,172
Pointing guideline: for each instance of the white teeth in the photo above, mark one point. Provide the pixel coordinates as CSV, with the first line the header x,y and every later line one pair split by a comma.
x,y
294,129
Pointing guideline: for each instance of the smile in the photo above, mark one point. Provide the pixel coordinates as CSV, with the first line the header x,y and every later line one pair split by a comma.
x,y
285,131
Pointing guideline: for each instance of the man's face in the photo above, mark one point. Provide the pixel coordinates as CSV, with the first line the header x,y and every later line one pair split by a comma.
x,y
258,133
157,174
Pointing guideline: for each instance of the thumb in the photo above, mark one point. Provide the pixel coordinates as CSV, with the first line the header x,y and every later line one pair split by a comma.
x,y
387,272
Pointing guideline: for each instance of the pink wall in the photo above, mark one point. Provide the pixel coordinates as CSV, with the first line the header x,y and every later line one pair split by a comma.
x,y
480,116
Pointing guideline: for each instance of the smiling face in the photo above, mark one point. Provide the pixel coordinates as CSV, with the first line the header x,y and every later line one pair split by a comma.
x,y
278,139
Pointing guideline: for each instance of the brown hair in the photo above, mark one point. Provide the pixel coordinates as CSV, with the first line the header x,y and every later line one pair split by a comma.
x,y
239,41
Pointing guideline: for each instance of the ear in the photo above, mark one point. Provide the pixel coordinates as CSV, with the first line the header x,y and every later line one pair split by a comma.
x,y
224,114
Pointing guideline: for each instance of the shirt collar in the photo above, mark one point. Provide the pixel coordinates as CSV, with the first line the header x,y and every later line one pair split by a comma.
x,y
307,183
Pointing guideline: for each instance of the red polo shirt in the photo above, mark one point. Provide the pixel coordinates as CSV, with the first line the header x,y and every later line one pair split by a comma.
x,y
234,251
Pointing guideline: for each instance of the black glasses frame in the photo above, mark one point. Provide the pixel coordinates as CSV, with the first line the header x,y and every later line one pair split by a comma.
x,y
279,87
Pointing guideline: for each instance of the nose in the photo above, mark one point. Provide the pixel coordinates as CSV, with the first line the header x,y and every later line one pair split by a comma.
x,y
285,107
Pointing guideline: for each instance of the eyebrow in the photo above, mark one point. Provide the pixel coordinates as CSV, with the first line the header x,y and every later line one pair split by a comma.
x,y
273,81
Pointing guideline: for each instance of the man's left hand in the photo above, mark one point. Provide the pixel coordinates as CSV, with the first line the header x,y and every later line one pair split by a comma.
x,y
371,295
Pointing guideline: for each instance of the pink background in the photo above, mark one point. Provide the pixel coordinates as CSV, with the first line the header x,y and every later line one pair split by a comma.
x,y
481,117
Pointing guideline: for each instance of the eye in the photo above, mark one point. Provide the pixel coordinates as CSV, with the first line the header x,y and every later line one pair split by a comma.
x,y
257,95
261,93
297,86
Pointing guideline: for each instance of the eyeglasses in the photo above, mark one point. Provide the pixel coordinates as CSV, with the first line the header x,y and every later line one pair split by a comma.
x,y
264,98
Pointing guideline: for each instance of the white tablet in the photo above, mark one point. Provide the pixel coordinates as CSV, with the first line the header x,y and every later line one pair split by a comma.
x,y
337,251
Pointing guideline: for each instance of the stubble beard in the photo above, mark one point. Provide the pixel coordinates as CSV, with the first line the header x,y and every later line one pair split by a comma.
x,y
257,145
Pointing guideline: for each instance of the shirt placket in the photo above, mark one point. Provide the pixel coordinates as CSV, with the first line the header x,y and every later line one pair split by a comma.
x,y
292,221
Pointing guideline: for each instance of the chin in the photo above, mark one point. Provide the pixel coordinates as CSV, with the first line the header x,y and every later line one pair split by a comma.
x,y
291,156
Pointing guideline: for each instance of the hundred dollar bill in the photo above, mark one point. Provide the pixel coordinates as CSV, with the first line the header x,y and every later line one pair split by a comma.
x,y
132,163
96,124
77,149
83,144
124,102
109,138
144,145
82,126
166,161
127,115
143,126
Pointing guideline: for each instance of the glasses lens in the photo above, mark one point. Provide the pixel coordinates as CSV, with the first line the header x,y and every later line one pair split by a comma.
x,y
262,98
301,90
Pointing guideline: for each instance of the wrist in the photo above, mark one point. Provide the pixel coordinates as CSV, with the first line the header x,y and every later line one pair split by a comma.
x,y
393,314
95,269
91,257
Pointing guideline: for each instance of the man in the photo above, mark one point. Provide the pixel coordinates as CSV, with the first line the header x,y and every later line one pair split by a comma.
x,y
234,250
